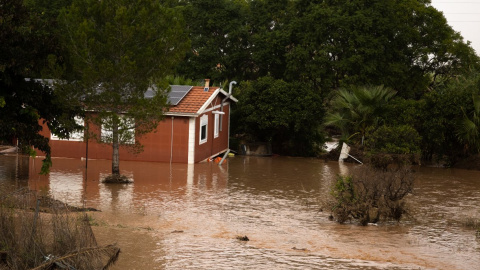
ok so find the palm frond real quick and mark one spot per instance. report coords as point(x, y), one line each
point(476, 104)
point(467, 128)
point(356, 108)
point(336, 120)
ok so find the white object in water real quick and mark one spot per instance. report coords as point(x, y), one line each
point(344, 153)
point(329, 146)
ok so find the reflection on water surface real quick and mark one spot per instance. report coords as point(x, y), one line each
point(182, 216)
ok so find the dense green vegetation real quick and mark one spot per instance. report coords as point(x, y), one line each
point(366, 70)
point(282, 113)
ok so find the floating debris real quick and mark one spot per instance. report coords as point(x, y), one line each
point(300, 249)
point(243, 238)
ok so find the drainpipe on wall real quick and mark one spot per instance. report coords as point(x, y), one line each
point(171, 143)
point(230, 86)
point(86, 145)
point(230, 112)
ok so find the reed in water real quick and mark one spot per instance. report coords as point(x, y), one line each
point(40, 233)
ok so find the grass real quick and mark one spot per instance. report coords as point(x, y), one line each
point(472, 223)
point(92, 221)
point(38, 234)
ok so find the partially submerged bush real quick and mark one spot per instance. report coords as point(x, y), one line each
point(371, 194)
point(472, 223)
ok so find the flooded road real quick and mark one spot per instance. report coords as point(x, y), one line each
point(188, 216)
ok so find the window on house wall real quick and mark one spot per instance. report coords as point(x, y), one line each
point(217, 125)
point(203, 129)
point(74, 136)
point(126, 130)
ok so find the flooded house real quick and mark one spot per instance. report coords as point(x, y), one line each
point(196, 128)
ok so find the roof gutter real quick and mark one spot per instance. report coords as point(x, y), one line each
point(181, 114)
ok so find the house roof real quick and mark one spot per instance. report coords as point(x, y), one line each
point(197, 100)
point(184, 99)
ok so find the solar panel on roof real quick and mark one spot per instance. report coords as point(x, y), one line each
point(177, 93)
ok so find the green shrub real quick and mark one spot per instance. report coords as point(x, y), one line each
point(402, 139)
point(371, 194)
point(343, 193)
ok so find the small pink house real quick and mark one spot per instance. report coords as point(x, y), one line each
point(195, 128)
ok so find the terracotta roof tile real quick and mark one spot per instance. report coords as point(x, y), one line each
point(193, 101)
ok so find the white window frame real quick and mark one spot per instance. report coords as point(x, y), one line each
point(203, 123)
point(75, 136)
point(106, 135)
point(216, 129)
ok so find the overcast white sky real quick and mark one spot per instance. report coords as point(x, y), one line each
point(464, 17)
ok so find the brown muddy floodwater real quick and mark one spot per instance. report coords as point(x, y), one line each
point(187, 216)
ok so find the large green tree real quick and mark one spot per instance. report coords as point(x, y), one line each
point(219, 40)
point(119, 50)
point(400, 44)
point(236, 39)
point(468, 127)
point(405, 45)
point(269, 25)
point(27, 46)
point(449, 119)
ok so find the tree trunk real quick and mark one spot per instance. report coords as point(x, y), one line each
point(115, 146)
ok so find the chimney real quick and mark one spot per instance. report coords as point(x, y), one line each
point(207, 85)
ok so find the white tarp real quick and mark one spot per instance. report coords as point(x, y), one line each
point(344, 153)
point(329, 146)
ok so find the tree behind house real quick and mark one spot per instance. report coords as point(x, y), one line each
point(119, 49)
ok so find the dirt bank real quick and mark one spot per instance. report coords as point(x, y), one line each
point(470, 163)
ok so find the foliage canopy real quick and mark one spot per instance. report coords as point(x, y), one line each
point(120, 50)
point(285, 114)
point(27, 45)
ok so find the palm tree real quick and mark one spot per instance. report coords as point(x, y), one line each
point(354, 109)
point(468, 128)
